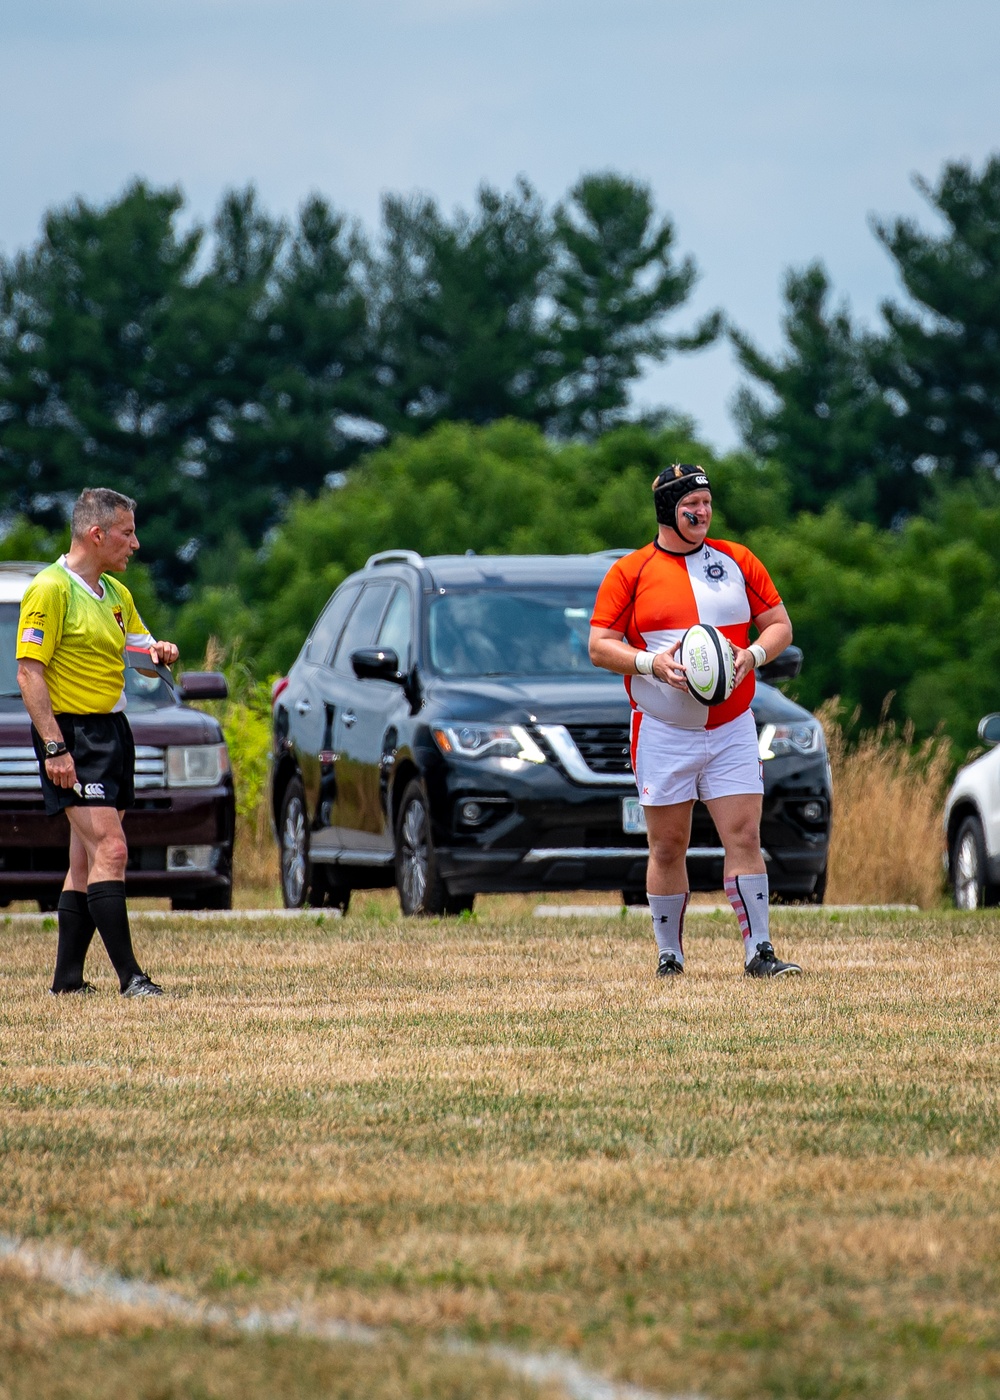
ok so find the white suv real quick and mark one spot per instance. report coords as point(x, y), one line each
point(972, 825)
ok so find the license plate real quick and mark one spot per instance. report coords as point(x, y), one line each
point(633, 817)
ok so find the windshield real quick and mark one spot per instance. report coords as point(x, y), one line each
point(143, 692)
point(486, 632)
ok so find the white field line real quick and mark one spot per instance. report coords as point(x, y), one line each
point(70, 1271)
point(541, 911)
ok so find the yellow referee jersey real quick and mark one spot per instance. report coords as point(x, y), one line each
point(79, 638)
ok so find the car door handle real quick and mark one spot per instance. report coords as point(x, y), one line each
point(349, 718)
point(303, 706)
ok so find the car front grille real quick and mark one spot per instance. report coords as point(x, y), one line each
point(150, 766)
point(604, 747)
point(19, 768)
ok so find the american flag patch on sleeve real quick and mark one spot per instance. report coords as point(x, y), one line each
point(33, 636)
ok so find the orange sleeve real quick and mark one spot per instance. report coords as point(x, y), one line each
point(616, 595)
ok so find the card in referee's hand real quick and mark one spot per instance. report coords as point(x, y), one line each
point(141, 660)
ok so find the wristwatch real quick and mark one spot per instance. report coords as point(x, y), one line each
point(54, 747)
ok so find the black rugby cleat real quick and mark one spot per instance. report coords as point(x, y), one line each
point(765, 964)
point(668, 966)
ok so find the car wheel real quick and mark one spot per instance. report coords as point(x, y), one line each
point(421, 889)
point(48, 904)
point(634, 897)
point(293, 846)
point(969, 884)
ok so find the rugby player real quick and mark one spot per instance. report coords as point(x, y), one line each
point(74, 626)
point(682, 749)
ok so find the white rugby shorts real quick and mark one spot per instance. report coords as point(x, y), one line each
point(677, 765)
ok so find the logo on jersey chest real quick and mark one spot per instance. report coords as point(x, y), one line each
point(714, 571)
point(118, 618)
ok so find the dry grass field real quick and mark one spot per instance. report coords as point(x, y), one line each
point(502, 1131)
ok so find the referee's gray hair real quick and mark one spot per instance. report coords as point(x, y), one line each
point(97, 505)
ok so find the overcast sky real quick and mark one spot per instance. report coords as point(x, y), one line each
point(770, 130)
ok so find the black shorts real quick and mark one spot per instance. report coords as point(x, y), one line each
point(104, 753)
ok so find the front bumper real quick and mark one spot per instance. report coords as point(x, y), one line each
point(545, 832)
point(34, 847)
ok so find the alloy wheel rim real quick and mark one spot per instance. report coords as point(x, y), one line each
point(967, 873)
point(293, 853)
point(414, 854)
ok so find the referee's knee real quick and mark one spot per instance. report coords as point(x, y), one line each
point(113, 850)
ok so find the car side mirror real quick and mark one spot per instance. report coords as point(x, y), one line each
point(202, 685)
point(784, 667)
point(376, 664)
point(989, 729)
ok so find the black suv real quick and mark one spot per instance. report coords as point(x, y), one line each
point(443, 730)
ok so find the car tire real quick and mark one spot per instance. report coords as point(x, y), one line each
point(421, 888)
point(293, 846)
point(819, 889)
point(634, 897)
point(969, 885)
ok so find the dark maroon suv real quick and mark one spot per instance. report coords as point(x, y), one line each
point(180, 831)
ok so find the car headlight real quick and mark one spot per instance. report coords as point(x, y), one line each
point(196, 765)
point(776, 740)
point(488, 741)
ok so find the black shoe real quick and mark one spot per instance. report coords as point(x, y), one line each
point(668, 966)
point(765, 964)
point(139, 985)
point(84, 989)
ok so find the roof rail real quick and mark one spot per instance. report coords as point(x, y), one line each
point(610, 553)
point(21, 566)
point(395, 556)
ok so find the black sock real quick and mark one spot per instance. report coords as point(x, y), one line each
point(107, 906)
point(76, 929)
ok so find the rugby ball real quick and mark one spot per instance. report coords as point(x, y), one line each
point(709, 662)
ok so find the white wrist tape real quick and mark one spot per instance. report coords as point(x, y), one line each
point(644, 663)
point(758, 653)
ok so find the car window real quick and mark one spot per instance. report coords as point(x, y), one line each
point(396, 630)
point(328, 627)
point(141, 692)
point(9, 613)
point(361, 625)
point(492, 632)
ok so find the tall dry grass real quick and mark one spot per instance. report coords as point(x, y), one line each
point(888, 796)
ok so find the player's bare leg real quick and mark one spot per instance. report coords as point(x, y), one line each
point(669, 831)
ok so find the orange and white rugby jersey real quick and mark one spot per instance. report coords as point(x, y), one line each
point(652, 597)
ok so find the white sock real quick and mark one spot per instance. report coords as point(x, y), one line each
point(668, 922)
point(748, 894)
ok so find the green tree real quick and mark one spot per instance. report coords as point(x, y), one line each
point(459, 327)
point(91, 391)
point(615, 282)
point(939, 365)
point(822, 415)
point(872, 420)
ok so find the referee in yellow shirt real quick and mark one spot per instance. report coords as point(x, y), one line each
point(74, 625)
